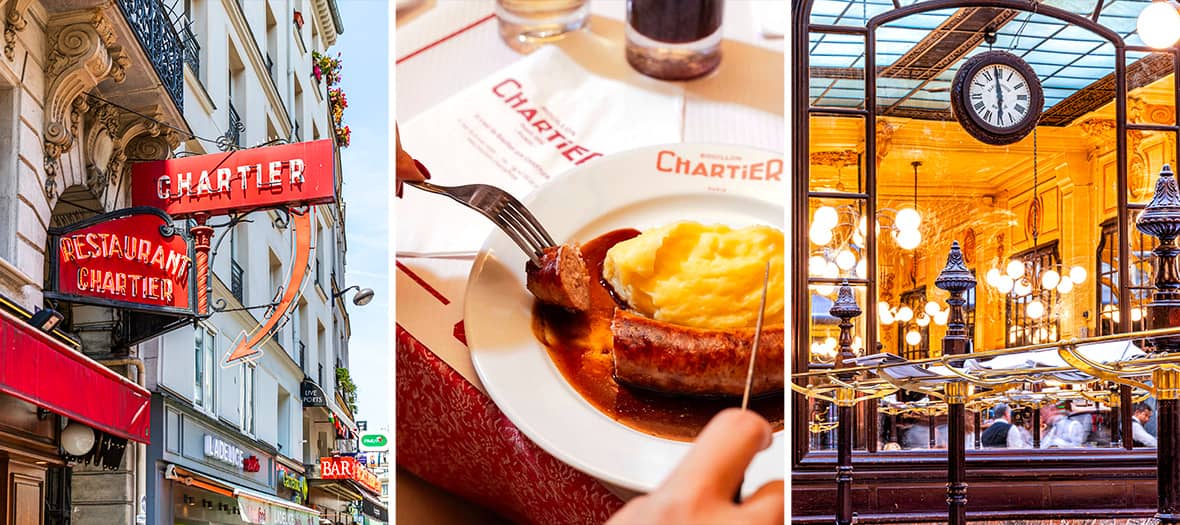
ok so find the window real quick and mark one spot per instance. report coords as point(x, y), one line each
point(915, 299)
point(204, 351)
point(283, 439)
point(247, 397)
point(1025, 329)
point(1107, 301)
point(237, 275)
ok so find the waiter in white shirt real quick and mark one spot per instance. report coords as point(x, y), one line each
point(1060, 430)
point(1142, 437)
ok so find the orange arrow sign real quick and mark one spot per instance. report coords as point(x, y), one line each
point(247, 345)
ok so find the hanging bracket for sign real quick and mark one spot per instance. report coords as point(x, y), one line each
point(135, 258)
point(289, 178)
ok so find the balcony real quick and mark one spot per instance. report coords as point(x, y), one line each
point(235, 281)
point(192, 49)
point(234, 126)
point(149, 21)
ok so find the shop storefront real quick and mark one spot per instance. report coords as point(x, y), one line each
point(57, 408)
point(977, 188)
point(207, 473)
point(346, 492)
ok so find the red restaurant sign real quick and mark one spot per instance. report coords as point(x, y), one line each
point(270, 177)
point(131, 258)
point(347, 467)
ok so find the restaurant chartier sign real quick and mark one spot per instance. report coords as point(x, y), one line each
point(347, 467)
point(134, 258)
point(289, 177)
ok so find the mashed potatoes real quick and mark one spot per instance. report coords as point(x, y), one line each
point(701, 276)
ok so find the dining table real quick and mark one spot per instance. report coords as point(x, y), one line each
point(449, 432)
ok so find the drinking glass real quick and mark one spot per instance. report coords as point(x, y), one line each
point(674, 39)
point(525, 24)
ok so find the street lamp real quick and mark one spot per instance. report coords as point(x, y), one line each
point(363, 295)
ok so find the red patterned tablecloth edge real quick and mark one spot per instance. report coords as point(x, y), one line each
point(453, 436)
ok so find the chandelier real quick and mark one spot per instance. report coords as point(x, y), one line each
point(1031, 277)
point(839, 233)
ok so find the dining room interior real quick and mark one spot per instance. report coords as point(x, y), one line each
point(1031, 136)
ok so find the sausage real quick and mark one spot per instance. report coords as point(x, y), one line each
point(561, 279)
point(673, 359)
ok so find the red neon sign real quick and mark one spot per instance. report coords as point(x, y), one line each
point(131, 259)
point(275, 176)
point(347, 467)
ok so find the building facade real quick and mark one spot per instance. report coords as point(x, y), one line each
point(85, 86)
point(249, 82)
point(109, 415)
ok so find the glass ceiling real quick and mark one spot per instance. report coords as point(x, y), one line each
point(1066, 58)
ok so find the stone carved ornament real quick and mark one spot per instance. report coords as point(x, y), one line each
point(113, 138)
point(14, 22)
point(83, 53)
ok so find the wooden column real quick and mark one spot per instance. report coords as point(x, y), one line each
point(978, 430)
point(956, 279)
point(845, 308)
point(1161, 219)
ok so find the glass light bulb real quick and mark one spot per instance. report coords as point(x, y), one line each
point(1077, 274)
point(913, 338)
point(1015, 269)
point(1042, 334)
point(862, 226)
point(1022, 287)
point(1035, 309)
point(1004, 284)
point(885, 317)
point(1136, 315)
point(1159, 25)
point(825, 289)
point(931, 308)
point(827, 216)
point(904, 314)
point(830, 342)
point(942, 317)
point(907, 219)
point(816, 265)
point(831, 271)
point(846, 260)
point(923, 320)
point(820, 234)
point(1050, 279)
point(862, 268)
point(909, 239)
point(1065, 286)
point(993, 276)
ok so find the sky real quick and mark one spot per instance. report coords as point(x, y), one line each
point(364, 52)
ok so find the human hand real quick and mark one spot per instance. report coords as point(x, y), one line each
point(700, 490)
point(407, 168)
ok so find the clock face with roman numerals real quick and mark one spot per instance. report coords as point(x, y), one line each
point(997, 97)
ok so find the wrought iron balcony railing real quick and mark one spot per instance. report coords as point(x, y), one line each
point(235, 281)
point(270, 66)
point(192, 50)
point(235, 127)
point(149, 21)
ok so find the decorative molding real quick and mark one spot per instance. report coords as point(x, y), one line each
point(837, 159)
point(1099, 93)
point(884, 137)
point(14, 22)
point(83, 53)
point(959, 34)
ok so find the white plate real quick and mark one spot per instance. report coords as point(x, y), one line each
point(635, 189)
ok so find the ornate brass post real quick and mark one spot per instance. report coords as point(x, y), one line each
point(956, 279)
point(845, 308)
point(1161, 219)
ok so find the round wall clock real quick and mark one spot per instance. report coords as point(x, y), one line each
point(997, 97)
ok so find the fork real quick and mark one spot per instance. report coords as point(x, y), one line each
point(503, 209)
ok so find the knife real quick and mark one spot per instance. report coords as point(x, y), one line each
point(737, 495)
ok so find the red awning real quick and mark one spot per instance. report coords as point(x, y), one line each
point(43, 371)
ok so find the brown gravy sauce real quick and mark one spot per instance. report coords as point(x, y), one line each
point(580, 346)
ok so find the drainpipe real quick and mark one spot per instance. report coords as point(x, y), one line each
point(141, 470)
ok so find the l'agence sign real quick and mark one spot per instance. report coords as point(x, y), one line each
point(133, 258)
point(273, 176)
